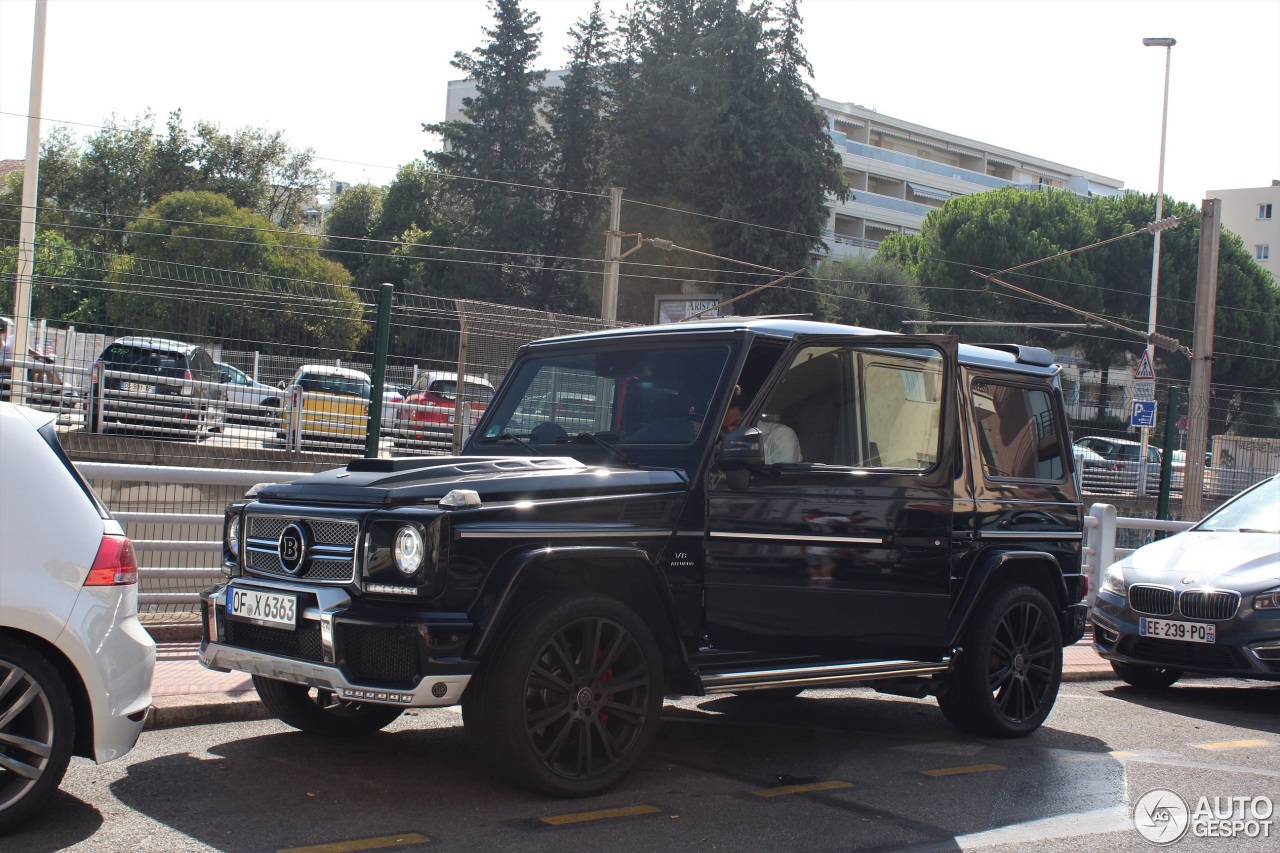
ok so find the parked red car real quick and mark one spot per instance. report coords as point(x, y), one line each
point(425, 420)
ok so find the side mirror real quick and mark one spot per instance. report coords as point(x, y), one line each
point(281, 385)
point(741, 448)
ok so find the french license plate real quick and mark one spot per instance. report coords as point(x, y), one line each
point(1189, 632)
point(137, 388)
point(264, 608)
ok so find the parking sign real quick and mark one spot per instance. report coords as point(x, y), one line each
point(1143, 414)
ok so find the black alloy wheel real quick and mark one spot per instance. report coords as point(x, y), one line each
point(1006, 678)
point(568, 699)
point(37, 732)
point(320, 712)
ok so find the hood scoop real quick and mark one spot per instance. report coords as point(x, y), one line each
point(410, 469)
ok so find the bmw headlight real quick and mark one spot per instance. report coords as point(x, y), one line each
point(408, 550)
point(1269, 600)
point(1113, 579)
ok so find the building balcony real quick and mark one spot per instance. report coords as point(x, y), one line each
point(909, 161)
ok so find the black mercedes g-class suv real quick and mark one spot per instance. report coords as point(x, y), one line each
point(711, 507)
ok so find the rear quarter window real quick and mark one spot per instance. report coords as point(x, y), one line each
point(1019, 435)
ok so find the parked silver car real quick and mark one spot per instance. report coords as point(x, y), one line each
point(1206, 600)
point(246, 395)
point(75, 662)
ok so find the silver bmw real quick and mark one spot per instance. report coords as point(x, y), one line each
point(1206, 600)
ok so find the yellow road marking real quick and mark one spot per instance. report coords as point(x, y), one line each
point(783, 790)
point(602, 814)
point(1233, 744)
point(361, 844)
point(971, 768)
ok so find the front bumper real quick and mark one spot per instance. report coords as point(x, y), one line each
point(365, 653)
point(1242, 649)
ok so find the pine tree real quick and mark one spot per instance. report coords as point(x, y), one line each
point(577, 114)
point(497, 157)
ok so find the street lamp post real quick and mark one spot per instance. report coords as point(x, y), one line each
point(1167, 44)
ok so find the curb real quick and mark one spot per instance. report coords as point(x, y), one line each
point(176, 632)
point(199, 709)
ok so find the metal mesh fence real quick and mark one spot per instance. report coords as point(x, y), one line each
point(183, 364)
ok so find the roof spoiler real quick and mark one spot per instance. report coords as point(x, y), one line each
point(1038, 356)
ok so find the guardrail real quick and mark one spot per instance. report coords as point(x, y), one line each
point(201, 533)
point(202, 538)
point(1100, 551)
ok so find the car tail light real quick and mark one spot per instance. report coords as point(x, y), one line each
point(1085, 593)
point(116, 563)
point(94, 374)
point(187, 387)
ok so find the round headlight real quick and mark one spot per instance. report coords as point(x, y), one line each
point(408, 551)
point(233, 536)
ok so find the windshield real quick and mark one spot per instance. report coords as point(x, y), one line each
point(1255, 511)
point(629, 396)
point(345, 386)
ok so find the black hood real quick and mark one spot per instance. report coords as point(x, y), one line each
point(390, 482)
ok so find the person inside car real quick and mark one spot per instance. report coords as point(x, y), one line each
point(781, 444)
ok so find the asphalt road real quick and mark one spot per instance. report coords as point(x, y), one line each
point(829, 770)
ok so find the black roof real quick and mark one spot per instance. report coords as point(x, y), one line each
point(1026, 359)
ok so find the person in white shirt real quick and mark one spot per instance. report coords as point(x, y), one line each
point(780, 441)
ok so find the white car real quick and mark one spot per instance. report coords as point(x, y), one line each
point(75, 662)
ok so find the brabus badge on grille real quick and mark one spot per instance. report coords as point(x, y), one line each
point(293, 548)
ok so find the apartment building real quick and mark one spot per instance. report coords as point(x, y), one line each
point(1254, 214)
point(899, 171)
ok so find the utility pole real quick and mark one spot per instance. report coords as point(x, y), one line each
point(27, 217)
point(1202, 361)
point(612, 258)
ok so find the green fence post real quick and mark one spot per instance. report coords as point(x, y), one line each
point(386, 293)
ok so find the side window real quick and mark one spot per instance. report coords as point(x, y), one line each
point(1018, 432)
point(857, 407)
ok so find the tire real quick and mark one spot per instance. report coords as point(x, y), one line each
point(1006, 677)
point(320, 712)
point(91, 415)
point(1145, 676)
point(36, 740)
point(567, 700)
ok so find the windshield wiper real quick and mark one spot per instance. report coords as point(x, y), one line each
point(617, 453)
point(506, 436)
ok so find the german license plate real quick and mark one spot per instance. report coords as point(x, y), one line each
point(137, 388)
point(263, 608)
point(1188, 632)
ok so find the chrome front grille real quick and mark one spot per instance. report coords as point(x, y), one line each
point(1152, 600)
point(1214, 605)
point(331, 554)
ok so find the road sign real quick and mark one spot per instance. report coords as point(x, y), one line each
point(1146, 370)
point(1143, 414)
point(1182, 424)
point(1144, 389)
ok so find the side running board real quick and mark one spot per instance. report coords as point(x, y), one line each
point(827, 675)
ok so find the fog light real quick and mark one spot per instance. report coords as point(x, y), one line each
point(408, 549)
